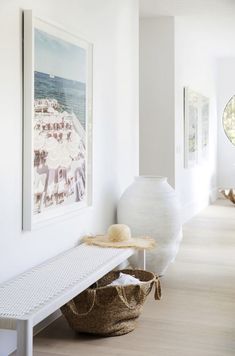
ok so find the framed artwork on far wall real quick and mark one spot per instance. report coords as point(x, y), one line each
point(196, 127)
point(57, 155)
point(205, 112)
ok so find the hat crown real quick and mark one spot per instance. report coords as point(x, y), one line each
point(119, 232)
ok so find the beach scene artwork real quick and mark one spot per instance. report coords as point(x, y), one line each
point(205, 111)
point(196, 127)
point(59, 123)
point(193, 111)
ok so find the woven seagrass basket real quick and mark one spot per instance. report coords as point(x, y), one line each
point(111, 310)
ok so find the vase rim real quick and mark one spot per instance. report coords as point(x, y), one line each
point(151, 177)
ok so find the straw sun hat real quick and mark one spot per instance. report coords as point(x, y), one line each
point(119, 236)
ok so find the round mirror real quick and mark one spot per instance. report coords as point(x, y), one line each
point(229, 120)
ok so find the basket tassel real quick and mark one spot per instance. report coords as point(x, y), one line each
point(158, 290)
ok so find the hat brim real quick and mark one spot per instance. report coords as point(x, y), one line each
point(142, 243)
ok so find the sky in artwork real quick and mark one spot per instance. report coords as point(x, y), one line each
point(58, 57)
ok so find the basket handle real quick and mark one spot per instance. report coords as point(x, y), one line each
point(158, 289)
point(122, 295)
point(93, 291)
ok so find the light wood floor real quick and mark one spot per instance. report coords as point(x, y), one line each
point(196, 316)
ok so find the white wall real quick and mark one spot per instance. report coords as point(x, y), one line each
point(198, 42)
point(113, 28)
point(157, 97)
point(194, 67)
point(226, 151)
point(173, 55)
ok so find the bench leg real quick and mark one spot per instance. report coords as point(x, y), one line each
point(24, 338)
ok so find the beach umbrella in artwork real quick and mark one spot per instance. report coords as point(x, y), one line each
point(65, 158)
point(39, 141)
point(53, 158)
point(50, 189)
point(51, 144)
point(73, 148)
point(39, 188)
point(39, 183)
point(75, 138)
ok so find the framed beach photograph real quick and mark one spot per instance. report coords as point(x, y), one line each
point(57, 157)
point(196, 127)
point(205, 115)
point(191, 113)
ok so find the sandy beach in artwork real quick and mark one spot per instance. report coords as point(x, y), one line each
point(59, 156)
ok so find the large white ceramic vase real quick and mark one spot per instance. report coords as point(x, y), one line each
point(149, 206)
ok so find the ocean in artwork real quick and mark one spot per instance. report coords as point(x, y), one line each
point(70, 94)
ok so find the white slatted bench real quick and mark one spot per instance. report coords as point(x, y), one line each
point(32, 296)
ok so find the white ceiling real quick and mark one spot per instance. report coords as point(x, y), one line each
point(151, 8)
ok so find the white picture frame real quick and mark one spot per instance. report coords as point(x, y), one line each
point(57, 133)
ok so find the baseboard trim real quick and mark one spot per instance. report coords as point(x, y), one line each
point(192, 208)
point(214, 194)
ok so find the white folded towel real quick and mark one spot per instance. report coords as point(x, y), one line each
point(124, 279)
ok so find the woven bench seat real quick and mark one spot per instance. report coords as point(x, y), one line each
point(32, 296)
